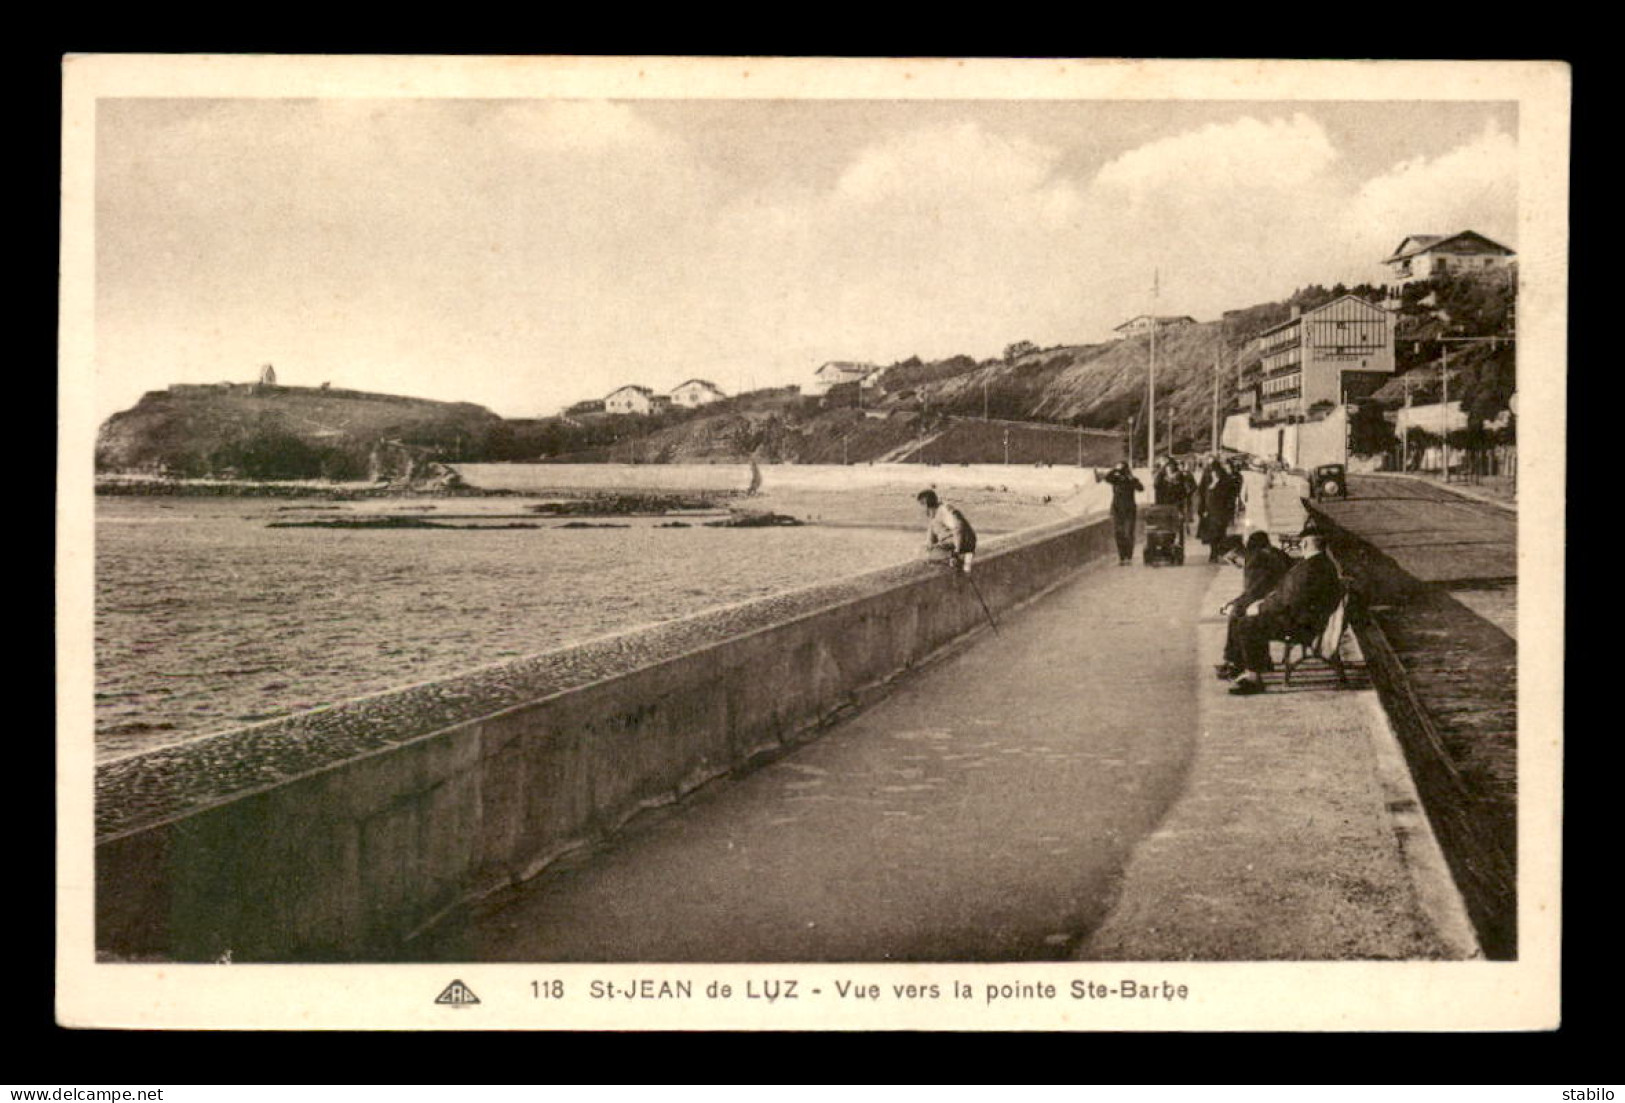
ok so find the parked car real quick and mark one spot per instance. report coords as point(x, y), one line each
point(1329, 481)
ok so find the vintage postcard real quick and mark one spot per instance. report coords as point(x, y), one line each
point(662, 543)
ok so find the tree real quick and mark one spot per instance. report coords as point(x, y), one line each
point(1020, 348)
point(1370, 434)
point(1488, 385)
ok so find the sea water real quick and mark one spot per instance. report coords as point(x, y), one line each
point(206, 618)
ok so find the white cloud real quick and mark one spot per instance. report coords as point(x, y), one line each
point(959, 162)
point(1229, 214)
point(923, 240)
point(580, 127)
point(1245, 153)
point(1474, 186)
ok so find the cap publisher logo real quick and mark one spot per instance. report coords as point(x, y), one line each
point(457, 994)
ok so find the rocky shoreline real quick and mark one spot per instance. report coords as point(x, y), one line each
point(160, 487)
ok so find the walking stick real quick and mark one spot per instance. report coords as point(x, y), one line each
point(977, 590)
point(953, 565)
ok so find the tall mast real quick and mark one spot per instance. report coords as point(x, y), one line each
point(1151, 403)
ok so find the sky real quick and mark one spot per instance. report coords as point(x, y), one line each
point(526, 254)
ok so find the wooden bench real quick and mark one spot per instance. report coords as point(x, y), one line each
point(1325, 643)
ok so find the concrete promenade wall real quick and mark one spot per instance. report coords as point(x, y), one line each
point(538, 478)
point(336, 834)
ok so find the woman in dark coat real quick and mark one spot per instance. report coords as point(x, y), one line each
point(1220, 490)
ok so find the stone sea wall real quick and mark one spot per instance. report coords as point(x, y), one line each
point(336, 834)
point(540, 478)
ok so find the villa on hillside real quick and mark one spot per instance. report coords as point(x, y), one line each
point(630, 399)
point(1423, 256)
point(1134, 327)
point(841, 371)
point(696, 392)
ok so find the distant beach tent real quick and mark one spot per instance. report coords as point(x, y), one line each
point(268, 375)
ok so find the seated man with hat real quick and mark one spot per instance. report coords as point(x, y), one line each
point(1299, 604)
point(1264, 567)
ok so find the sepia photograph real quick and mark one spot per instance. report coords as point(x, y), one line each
point(785, 543)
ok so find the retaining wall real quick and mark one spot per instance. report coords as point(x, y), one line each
point(336, 834)
point(1304, 445)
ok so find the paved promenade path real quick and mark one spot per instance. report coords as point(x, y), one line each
point(1078, 785)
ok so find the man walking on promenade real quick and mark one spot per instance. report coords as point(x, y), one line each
point(947, 533)
point(1124, 484)
point(1299, 604)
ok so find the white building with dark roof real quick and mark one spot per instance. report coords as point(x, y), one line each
point(630, 399)
point(696, 392)
point(1423, 256)
point(1134, 327)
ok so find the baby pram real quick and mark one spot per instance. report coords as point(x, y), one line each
point(1164, 535)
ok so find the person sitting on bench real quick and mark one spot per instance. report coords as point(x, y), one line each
point(1297, 606)
point(1265, 566)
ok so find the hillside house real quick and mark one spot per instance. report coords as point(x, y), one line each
point(696, 392)
point(842, 371)
point(1136, 327)
point(630, 399)
point(1324, 357)
point(579, 409)
point(1423, 256)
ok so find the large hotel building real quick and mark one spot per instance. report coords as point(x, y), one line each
point(1324, 358)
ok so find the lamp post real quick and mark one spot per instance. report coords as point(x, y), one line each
point(1213, 445)
point(1444, 413)
point(1405, 430)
